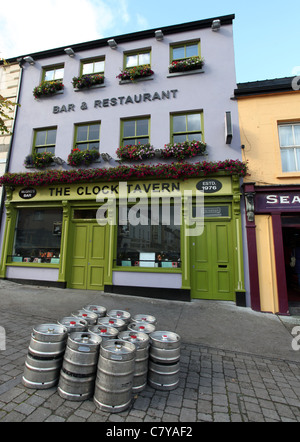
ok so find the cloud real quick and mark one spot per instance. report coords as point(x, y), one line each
point(32, 26)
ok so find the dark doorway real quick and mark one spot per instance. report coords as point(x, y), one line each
point(291, 241)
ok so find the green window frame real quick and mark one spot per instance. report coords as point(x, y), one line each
point(44, 140)
point(183, 51)
point(135, 131)
point(53, 73)
point(187, 127)
point(92, 66)
point(87, 136)
point(137, 58)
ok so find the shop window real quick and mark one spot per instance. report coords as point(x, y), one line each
point(87, 136)
point(154, 242)
point(135, 131)
point(289, 138)
point(183, 51)
point(95, 66)
point(187, 127)
point(38, 236)
point(44, 140)
point(53, 73)
point(137, 58)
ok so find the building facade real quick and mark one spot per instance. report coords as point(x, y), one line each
point(160, 136)
point(270, 136)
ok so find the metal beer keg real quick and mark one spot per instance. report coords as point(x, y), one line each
point(73, 324)
point(113, 387)
point(108, 321)
point(90, 317)
point(98, 309)
point(104, 332)
point(142, 327)
point(78, 373)
point(45, 356)
point(163, 376)
point(144, 318)
point(120, 314)
point(141, 341)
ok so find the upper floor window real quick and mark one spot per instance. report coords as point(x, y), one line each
point(289, 138)
point(44, 140)
point(187, 127)
point(53, 73)
point(135, 131)
point(95, 66)
point(138, 58)
point(87, 136)
point(185, 50)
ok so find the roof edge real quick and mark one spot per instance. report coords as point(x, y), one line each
point(275, 85)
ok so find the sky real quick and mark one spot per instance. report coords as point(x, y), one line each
point(266, 33)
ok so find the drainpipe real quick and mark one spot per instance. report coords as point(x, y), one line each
point(11, 142)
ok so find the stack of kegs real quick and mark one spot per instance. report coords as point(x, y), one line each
point(110, 356)
point(45, 356)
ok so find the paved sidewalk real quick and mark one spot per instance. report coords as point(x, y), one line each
point(236, 365)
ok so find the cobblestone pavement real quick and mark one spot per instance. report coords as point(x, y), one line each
point(215, 386)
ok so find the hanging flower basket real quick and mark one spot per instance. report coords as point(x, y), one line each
point(187, 149)
point(47, 88)
point(135, 152)
point(189, 64)
point(136, 73)
point(39, 160)
point(79, 157)
point(87, 81)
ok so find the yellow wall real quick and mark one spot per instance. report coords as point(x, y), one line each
point(266, 264)
point(259, 117)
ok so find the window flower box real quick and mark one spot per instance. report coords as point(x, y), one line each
point(87, 81)
point(135, 73)
point(79, 157)
point(39, 160)
point(187, 149)
point(48, 88)
point(135, 152)
point(188, 64)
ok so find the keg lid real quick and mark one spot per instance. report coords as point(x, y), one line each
point(144, 318)
point(164, 336)
point(137, 338)
point(72, 321)
point(143, 327)
point(86, 315)
point(111, 322)
point(104, 331)
point(85, 338)
point(49, 332)
point(98, 309)
point(119, 314)
point(118, 349)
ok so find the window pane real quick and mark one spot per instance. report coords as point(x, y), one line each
point(179, 138)
point(145, 243)
point(288, 160)
point(142, 127)
point(51, 136)
point(144, 58)
point(94, 132)
point(195, 136)
point(82, 146)
point(129, 142)
point(297, 134)
point(94, 145)
point(99, 66)
point(49, 75)
point(87, 68)
point(178, 53)
point(59, 74)
point(179, 123)
point(40, 139)
point(286, 136)
point(193, 122)
point(129, 128)
point(38, 235)
point(142, 141)
point(82, 133)
point(131, 60)
point(192, 50)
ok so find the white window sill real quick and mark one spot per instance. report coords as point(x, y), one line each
point(181, 74)
point(137, 80)
point(84, 89)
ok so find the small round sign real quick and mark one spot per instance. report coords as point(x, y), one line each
point(209, 185)
point(27, 194)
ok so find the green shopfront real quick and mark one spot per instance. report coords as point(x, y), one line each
point(164, 238)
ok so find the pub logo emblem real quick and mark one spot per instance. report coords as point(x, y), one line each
point(209, 185)
point(27, 194)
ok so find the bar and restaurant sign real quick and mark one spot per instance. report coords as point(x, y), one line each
point(285, 201)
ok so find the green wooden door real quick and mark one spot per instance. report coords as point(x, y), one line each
point(212, 262)
point(88, 257)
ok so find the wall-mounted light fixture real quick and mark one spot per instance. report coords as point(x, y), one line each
point(29, 60)
point(106, 156)
point(216, 24)
point(228, 128)
point(70, 52)
point(112, 43)
point(159, 35)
